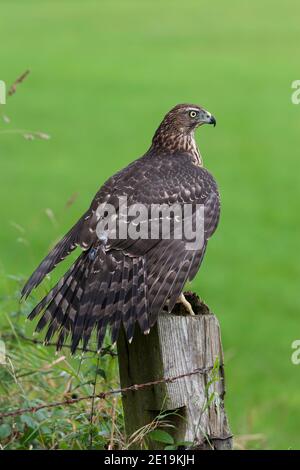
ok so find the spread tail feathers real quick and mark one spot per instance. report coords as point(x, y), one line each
point(61, 250)
point(96, 292)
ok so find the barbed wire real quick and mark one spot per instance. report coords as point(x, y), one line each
point(103, 395)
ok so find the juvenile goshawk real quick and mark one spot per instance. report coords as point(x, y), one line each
point(126, 280)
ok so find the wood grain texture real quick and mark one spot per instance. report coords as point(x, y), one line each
point(178, 344)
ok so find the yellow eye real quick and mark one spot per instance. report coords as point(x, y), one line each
point(193, 114)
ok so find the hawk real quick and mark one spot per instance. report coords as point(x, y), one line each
point(123, 281)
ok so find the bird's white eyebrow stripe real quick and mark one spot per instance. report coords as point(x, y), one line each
point(199, 110)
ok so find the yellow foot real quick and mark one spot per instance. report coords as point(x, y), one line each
point(186, 304)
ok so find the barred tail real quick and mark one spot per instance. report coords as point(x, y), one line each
point(61, 250)
point(98, 291)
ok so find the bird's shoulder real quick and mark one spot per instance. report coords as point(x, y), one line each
point(178, 178)
point(156, 178)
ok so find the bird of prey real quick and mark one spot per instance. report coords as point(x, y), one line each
point(123, 281)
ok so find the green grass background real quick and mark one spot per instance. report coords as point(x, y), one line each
point(103, 73)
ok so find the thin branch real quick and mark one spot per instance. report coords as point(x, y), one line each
point(93, 403)
point(113, 422)
point(29, 135)
point(17, 82)
point(103, 352)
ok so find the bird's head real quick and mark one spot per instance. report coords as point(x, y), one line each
point(185, 118)
point(176, 131)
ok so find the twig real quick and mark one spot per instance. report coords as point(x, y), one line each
point(93, 403)
point(17, 82)
point(28, 135)
point(103, 352)
point(113, 420)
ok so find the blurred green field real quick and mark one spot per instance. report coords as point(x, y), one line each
point(102, 76)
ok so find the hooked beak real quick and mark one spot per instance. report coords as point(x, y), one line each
point(207, 118)
point(212, 121)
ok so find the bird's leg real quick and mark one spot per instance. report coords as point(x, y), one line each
point(186, 304)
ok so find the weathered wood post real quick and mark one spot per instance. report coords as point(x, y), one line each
point(177, 345)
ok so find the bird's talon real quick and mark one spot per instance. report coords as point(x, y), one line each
point(186, 305)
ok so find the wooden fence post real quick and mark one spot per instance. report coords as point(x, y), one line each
point(177, 345)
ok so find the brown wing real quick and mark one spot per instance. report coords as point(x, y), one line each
point(126, 280)
point(168, 263)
